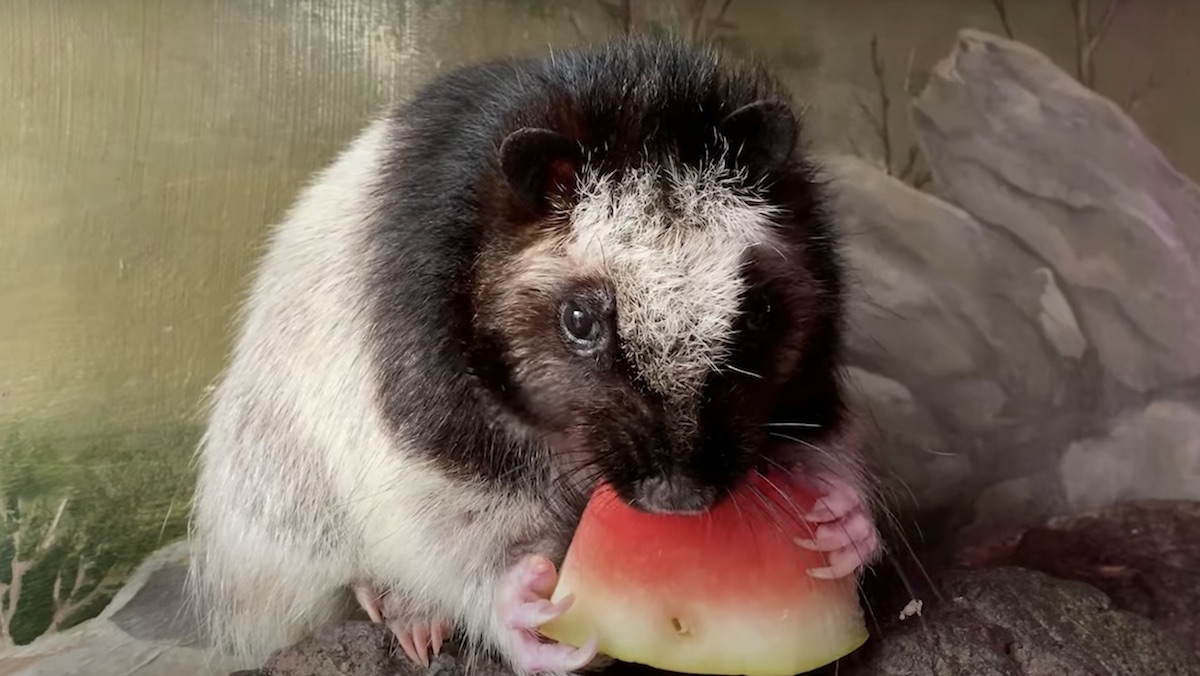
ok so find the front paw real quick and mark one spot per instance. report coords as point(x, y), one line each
point(841, 528)
point(524, 605)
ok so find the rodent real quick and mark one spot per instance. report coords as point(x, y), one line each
point(615, 263)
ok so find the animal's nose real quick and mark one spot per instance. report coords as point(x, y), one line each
point(672, 495)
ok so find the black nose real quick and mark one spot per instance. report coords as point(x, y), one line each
point(672, 495)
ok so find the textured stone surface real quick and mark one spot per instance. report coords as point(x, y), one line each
point(1151, 453)
point(1017, 142)
point(1023, 337)
point(1016, 622)
point(363, 649)
point(1144, 554)
point(1002, 621)
point(962, 350)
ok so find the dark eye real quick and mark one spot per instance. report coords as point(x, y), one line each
point(759, 318)
point(579, 324)
point(582, 324)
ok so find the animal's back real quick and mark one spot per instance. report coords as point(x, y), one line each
point(271, 543)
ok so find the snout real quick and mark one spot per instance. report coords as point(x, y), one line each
point(672, 495)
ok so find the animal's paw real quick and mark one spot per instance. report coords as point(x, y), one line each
point(524, 605)
point(842, 528)
point(417, 637)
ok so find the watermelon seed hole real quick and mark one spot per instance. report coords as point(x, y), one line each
point(679, 628)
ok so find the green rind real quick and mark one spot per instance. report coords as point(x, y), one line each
point(572, 629)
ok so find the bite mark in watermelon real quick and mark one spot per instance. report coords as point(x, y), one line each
point(724, 592)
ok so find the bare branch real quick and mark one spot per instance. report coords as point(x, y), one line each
point(908, 72)
point(696, 19)
point(633, 16)
point(910, 162)
point(883, 127)
point(579, 31)
point(921, 179)
point(719, 19)
point(1088, 37)
point(65, 610)
point(1138, 96)
point(879, 117)
point(48, 539)
point(1083, 30)
point(1002, 12)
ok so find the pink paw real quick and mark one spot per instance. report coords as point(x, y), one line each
point(843, 530)
point(417, 637)
point(524, 605)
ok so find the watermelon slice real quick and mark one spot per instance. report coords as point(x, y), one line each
point(724, 592)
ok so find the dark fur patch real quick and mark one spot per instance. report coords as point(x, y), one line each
point(448, 219)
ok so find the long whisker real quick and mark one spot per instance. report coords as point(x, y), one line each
point(802, 442)
point(744, 372)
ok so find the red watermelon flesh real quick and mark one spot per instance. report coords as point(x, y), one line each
point(724, 592)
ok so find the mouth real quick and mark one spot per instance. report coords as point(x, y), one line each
point(672, 495)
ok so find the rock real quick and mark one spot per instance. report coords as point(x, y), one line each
point(1000, 621)
point(962, 348)
point(1017, 622)
point(915, 446)
point(1017, 142)
point(142, 632)
point(1014, 500)
point(361, 648)
point(1145, 555)
point(1153, 453)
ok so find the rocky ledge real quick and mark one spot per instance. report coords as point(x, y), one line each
point(1108, 593)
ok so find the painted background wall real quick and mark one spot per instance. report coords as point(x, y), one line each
point(146, 145)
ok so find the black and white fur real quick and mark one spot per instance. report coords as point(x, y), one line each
point(403, 408)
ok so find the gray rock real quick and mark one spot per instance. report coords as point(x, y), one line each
point(144, 631)
point(913, 446)
point(361, 648)
point(1144, 554)
point(963, 349)
point(1002, 621)
point(1018, 622)
point(1015, 500)
point(1018, 143)
point(1151, 453)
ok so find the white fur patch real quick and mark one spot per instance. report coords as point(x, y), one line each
point(674, 246)
point(301, 490)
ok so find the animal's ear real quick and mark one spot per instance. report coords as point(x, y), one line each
point(762, 134)
point(539, 163)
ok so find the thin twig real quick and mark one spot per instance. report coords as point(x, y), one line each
point(1002, 12)
point(882, 127)
point(880, 121)
point(1088, 37)
point(579, 31)
point(1139, 94)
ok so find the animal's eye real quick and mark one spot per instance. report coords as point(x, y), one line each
point(759, 318)
point(585, 319)
point(578, 322)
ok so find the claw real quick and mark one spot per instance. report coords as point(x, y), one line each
point(416, 637)
point(369, 600)
point(436, 637)
point(845, 532)
point(406, 643)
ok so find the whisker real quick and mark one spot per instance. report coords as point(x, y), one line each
point(802, 442)
point(742, 371)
